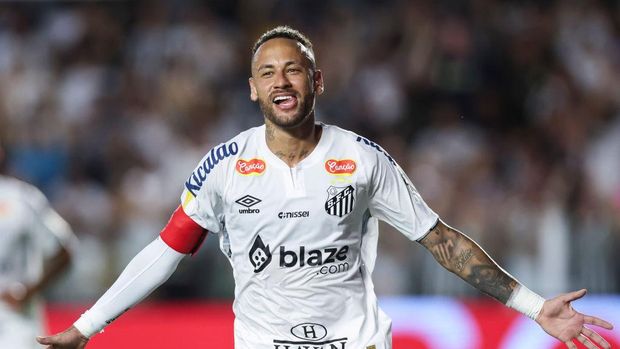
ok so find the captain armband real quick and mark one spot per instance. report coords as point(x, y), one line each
point(183, 234)
point(526, 302)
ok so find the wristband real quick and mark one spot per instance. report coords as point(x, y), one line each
point(526, 302)
point(90, 323)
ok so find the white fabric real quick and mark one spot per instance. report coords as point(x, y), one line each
point(526, 301)
point(147, 270)
point(302, 241)
point(30, 232)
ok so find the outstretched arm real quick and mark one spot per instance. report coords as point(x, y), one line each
point(462, 256)
point(147, 270)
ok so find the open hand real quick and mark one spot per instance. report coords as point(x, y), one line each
point(71, 338)
point(560, 320)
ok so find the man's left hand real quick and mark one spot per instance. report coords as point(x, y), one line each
point(560, 320)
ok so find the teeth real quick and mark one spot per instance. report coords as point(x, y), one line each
point(281, 98)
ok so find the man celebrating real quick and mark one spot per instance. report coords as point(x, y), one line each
point(296, 206)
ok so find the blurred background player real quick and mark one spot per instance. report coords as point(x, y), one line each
point(34, 250)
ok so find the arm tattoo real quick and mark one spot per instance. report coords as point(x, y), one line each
point(462, 259)
point(462, 256)
point(491, 280)
point(443, 251)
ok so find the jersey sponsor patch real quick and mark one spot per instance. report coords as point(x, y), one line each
point(345, 167)
point(311, 335)
point(217, 154)
point(340, 200)
point(252, 167)
point(309, 331)
point(294, 214)
point(260, 256)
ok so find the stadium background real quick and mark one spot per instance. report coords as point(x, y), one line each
point(506, 114)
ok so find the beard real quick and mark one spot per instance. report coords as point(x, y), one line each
point(305, 106)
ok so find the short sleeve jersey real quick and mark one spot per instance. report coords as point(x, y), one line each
point(30, 232)
point(302, 241)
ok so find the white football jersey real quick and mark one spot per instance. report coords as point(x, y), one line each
point(30, 232)
point(302, 241)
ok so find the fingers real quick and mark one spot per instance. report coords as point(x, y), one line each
point(570, 345)
point(596, 338)
point(44, 340)
point(592, 320)
point(586, 341)
point(573, 296)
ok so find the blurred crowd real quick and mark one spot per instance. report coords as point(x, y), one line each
point(506, 115)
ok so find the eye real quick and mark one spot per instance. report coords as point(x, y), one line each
point(293, 70)
point(266, 74)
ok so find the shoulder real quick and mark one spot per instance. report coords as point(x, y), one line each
point(343, 137)
point(363, 145)
point(219, 158)
point(17, 186)
point(22, 191)
point(225, 151)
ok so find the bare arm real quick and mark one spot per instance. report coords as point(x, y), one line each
point(462, 256)
point(53, 267)
point(147, 270)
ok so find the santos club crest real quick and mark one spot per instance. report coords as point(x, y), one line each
point(339, 200)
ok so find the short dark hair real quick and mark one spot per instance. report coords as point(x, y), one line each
point(285, 32)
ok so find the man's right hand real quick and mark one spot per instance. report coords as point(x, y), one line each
point(71, 338)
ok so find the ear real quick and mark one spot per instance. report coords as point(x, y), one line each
point(319, 85)
point(253, 93)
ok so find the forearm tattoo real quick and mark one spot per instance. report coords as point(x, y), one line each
point(462, 259)
point(462, 256)
point(443, 251)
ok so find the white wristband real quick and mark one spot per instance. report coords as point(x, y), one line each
point(90, 323)
point(526, 302)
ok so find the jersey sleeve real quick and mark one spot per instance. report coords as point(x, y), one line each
point(202, 195)
point(395, 200)
point(50, 230)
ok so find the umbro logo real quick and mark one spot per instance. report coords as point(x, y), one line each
point(248, 201)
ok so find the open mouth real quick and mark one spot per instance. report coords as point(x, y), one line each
point(285, 102)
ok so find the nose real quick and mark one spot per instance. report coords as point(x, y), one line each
point(281, 80)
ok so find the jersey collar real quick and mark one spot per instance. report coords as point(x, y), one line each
point(316, 155)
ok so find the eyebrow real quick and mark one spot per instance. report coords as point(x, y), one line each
point(271, 66)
